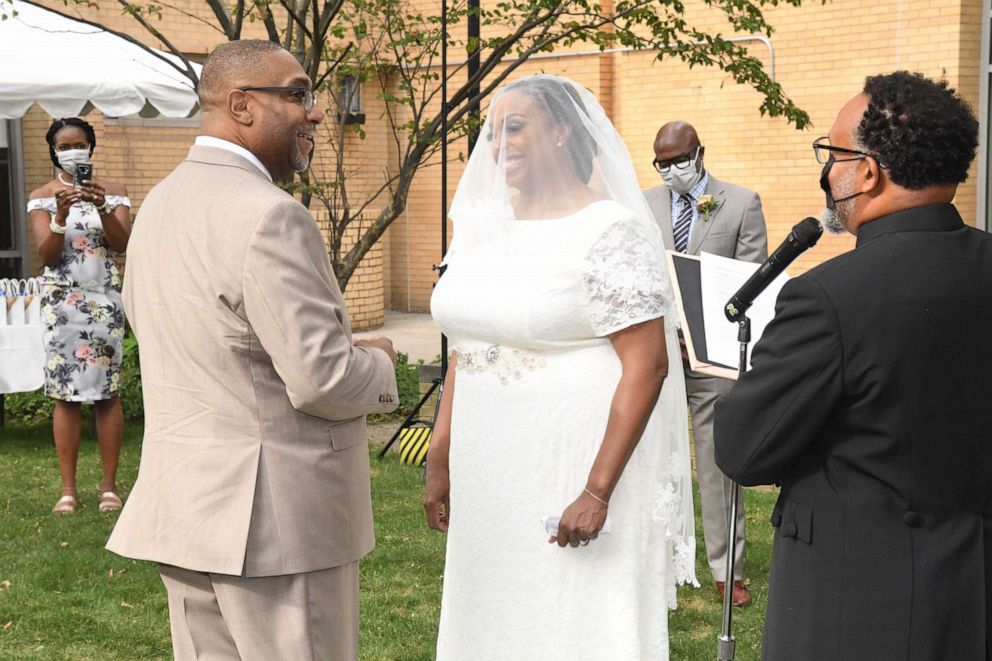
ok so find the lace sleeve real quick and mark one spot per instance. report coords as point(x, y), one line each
point(44, 203)
point(625, 280)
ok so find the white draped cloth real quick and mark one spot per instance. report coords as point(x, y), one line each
point(68, 66)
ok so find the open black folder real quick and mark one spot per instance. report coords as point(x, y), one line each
point(684, 271)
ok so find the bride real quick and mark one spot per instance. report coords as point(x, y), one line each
point(559, 464)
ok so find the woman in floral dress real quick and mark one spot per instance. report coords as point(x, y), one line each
point(79, 229)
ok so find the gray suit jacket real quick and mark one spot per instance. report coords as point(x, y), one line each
point(254, 460)
point(735, 229)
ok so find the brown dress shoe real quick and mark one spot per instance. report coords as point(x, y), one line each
point(741, 597)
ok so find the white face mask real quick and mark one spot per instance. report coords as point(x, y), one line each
point(683, 180)
point(69, 158)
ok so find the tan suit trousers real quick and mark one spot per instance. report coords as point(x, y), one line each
point(305, 617)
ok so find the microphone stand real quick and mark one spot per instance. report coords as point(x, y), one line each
point(726, 643)
point(802, 237)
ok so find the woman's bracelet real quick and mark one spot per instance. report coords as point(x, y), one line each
point(55, 227)
point(597, 498)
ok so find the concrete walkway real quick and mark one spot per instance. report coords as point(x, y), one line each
point(414, 334)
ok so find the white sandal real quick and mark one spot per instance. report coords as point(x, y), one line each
point(65, 505)
point(110, 502)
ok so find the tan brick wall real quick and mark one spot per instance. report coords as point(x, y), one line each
point(188, 24)
point(363, 296)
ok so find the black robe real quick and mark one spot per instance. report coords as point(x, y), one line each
point(870, 402)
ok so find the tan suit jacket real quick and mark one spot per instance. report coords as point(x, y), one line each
point(254, 460)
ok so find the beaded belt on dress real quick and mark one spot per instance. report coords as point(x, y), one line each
point(503, 362)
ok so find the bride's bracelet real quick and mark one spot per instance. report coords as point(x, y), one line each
point(597, 498)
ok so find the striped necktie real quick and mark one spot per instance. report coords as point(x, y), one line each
point(683, 223)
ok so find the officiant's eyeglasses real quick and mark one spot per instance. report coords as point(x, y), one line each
point(307, 99)
point(681, 162)
point(822, 149)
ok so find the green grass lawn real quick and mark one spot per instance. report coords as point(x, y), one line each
point(63, 597)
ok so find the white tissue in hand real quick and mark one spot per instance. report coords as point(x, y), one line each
point(550, 524)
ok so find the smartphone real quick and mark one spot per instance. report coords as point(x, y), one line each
point(84, 173)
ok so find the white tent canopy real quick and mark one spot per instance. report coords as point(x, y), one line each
point(67, 67)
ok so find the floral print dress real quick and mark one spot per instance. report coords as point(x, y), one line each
point(82, 309)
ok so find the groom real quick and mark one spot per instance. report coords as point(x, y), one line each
point(730, 224)
point(253, 492)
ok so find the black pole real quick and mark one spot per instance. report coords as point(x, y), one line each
point(726, 643)
point(444, 163)
point(473, 71)
point(474, 113)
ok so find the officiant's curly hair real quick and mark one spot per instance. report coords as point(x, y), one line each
point(564, 104)
point(921, 131)
point(60, 124)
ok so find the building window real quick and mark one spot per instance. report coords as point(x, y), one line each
point(349, 100)
point(13, 224)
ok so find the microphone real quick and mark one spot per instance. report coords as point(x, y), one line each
point(802, 237)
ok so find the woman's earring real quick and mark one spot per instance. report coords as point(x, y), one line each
point(559, 143)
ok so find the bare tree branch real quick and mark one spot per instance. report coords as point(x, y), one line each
point(332, 67)
point(223, 17)
point(297, 19)
point(239, 19)
point(268, 20)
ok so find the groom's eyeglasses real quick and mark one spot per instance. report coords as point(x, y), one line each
point(307, 99)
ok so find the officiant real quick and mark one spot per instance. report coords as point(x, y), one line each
point(868, 399)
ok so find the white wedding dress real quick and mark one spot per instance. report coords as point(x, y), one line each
point(528, 318)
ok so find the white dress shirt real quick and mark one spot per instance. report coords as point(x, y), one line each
point(210, 141)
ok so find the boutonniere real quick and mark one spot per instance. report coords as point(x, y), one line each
point(706, 205)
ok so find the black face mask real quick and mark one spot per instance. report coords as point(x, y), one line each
point(825, 185)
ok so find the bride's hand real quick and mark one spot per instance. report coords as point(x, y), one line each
point(580, 522)
point(436, 504)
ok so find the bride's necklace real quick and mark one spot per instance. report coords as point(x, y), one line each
point(63, 181)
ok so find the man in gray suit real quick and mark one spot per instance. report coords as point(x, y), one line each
point(253, 493)
point(699, 213)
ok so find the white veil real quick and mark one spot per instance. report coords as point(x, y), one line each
point(481, 209)
point(580, 152)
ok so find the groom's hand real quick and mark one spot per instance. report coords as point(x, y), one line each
point(581, 522)
point(382, 343)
